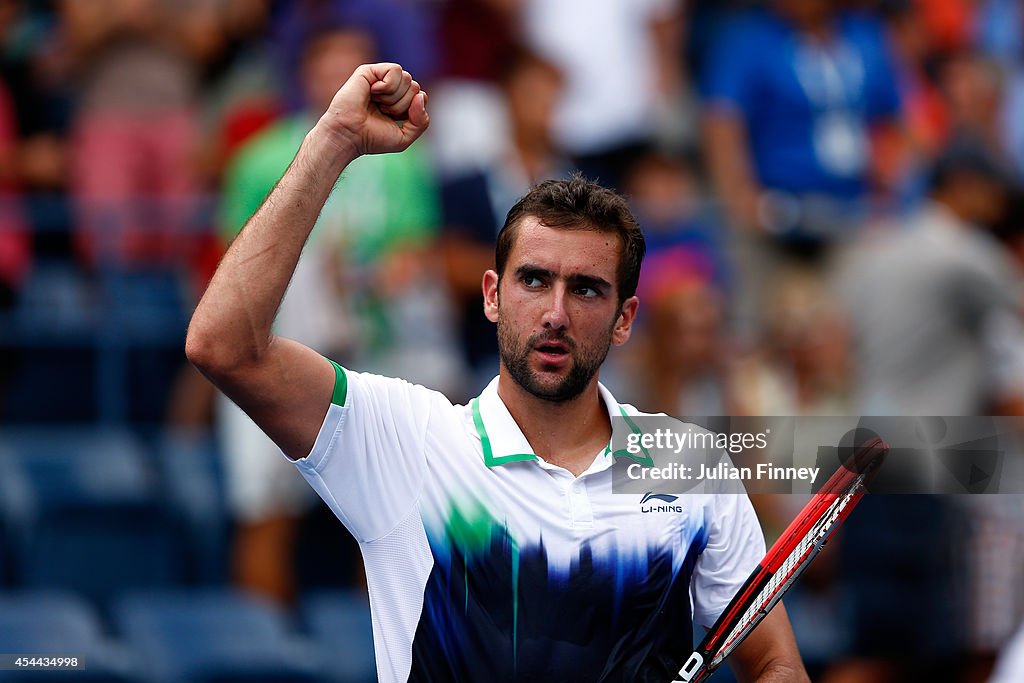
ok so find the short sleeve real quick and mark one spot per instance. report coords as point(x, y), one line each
point(735, 544)
point(368, 462)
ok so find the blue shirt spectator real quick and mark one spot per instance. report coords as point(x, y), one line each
point(806, 102)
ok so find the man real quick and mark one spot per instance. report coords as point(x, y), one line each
point(936, 324)
point(494, 546)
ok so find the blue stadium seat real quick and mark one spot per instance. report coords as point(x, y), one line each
point(212, 636)
point(193, 486)
point(339, 623)
point(95, 523)
point(59, 624)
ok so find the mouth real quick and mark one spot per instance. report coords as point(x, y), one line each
point(552, 352)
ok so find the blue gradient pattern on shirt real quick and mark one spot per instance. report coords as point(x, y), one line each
point(498, 610)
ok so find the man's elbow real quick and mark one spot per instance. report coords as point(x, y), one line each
point(211, 351)
point(200, 348)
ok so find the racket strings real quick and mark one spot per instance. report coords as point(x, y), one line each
point(790, 568)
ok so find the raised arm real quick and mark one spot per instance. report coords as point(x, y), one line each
point(282, 385)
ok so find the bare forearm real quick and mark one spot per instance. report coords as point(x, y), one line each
point(233, 320)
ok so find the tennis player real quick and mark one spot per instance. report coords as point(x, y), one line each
point(494, 547)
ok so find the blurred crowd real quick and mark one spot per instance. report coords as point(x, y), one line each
point(830, 191)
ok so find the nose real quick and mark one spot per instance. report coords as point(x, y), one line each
point(556, 316)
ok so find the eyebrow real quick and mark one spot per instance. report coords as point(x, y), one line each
point(576, 279)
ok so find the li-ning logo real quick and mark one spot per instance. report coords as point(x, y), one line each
point(663, 497)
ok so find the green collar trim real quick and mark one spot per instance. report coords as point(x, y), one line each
point(646, 460)
point(492, 461)
point(485, 441)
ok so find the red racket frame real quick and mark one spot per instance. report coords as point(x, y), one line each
point(857, 472)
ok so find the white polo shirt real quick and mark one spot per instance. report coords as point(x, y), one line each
point(485, 562)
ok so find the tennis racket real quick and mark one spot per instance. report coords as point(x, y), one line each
point(787, 559)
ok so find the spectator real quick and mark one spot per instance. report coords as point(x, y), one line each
point(36, 70)
point(681, 346)
point(622, 63)
point(685, 357)
point(972, 86)
point(402, 32)
point(241, 83)
point(936, 321)
point(133, 169)
point(470, 127)
point(791, 95)
point(903, 156)
point(803, 364)
point(682, 234)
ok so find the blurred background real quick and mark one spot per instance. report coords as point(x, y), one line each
point(831, 194)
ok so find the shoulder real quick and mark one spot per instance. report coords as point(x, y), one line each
point(358, 383)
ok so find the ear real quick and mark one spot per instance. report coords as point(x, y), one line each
point(490, 287)
point(624, 323)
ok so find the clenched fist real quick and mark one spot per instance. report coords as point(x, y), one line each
point(379, 109)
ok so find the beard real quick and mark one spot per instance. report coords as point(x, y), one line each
point(585, 362)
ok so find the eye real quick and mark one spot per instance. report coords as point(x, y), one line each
point(532, 281)
point(587, 292)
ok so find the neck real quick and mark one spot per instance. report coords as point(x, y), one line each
point(567, 433)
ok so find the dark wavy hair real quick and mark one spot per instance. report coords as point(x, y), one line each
point(576, 203)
